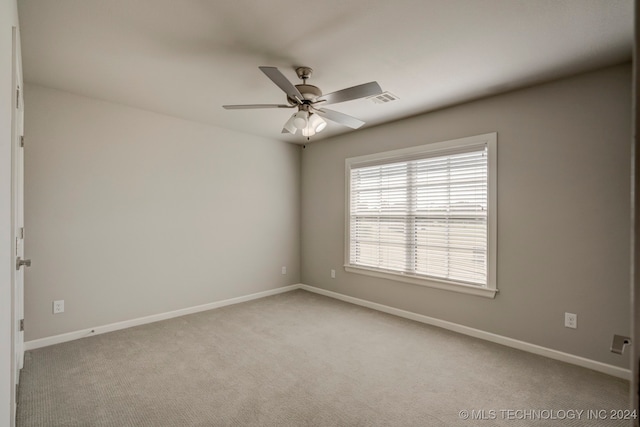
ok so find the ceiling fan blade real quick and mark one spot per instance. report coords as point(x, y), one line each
point(282, 82)
point(340, 118)
point(244, 107)
point(355, 92)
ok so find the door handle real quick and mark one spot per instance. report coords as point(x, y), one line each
point(20, 262)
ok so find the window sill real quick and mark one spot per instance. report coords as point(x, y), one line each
point(430, 283)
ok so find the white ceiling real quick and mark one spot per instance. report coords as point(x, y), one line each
point(186, 58)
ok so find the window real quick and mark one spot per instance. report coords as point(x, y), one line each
point(426, 215)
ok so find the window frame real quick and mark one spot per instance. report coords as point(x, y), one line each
point(430, 150)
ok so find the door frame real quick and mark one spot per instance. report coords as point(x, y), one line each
point(17, 218)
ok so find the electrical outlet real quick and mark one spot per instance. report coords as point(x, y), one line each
point(333, 274)
point(284, 270)
point(570, 320)
point(58, 306)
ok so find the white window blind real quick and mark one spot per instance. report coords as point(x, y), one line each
point(424, 215)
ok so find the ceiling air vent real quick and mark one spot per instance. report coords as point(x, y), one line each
point(383, 98)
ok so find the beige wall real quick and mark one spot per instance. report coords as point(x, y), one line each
point(125, 217)
point(563, 213)
point(131, 213)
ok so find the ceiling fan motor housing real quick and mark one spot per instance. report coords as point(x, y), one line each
point(309, 93)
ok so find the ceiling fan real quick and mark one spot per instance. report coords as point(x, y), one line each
point(310, 102)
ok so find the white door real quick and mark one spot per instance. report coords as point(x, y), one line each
point(19, 234)
point(18, 211)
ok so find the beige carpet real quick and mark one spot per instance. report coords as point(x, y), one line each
point(300, 359)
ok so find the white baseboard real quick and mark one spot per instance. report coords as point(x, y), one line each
point(70, 336)
point(477, 333)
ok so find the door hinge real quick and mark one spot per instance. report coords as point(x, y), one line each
point(18, 97)
point(21, 325)
point(22, 232)
point(21, 141)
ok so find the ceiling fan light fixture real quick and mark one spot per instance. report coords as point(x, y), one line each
point(308, 131)
point(317, 123)
point(300, 119)
point(289, 125)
